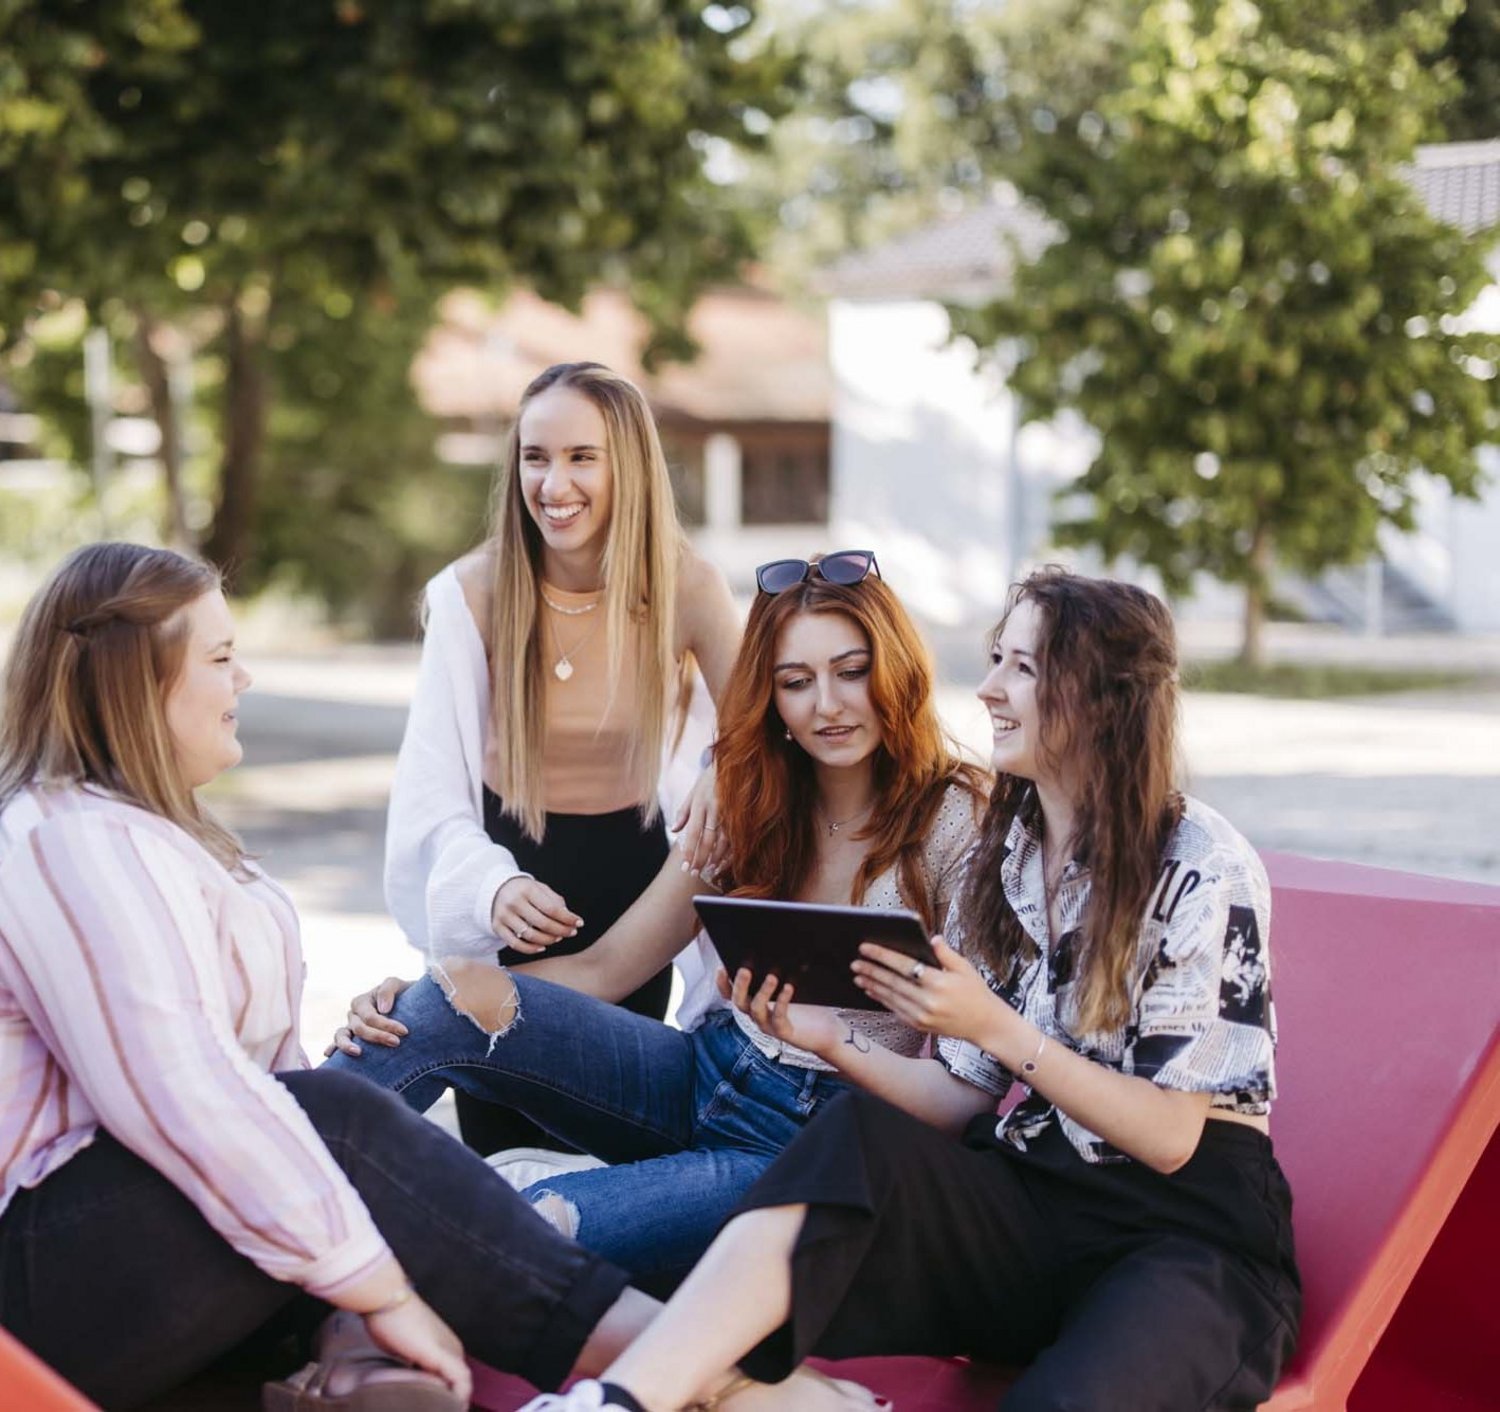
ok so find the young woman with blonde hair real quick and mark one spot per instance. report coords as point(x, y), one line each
point(524, 815)
point(171, 1175)
point(836, 785)
point(1125, 1228)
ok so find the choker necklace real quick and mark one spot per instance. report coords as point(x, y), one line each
point(572, 612)
point(834, 825)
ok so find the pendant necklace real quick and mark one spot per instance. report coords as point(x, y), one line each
point(834, 825)
point(562, 669)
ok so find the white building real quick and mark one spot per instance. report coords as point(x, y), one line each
point(929, 466)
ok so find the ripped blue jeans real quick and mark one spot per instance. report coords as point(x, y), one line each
point(689, 1120)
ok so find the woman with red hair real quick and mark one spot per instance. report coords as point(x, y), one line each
point(836, 785)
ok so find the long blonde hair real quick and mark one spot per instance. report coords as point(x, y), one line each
point(643, 549)
point(99, 646)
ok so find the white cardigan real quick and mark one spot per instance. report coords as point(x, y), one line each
point(441, 869)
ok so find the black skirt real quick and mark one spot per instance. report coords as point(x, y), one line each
point(1123, 1287)
point(599, 864)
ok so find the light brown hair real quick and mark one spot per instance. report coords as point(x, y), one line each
point(766, 785)
point(643, 550)
point(1107, 697)
point(97, 650)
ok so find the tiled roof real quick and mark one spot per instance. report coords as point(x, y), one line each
point(947, 258)
point(762, 358)
point(1460, 181)
point(966, 253)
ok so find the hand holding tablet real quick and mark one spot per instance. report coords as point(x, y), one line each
point(809, 945)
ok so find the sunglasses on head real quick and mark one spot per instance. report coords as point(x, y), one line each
point(845, 566)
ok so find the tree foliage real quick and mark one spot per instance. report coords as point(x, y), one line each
point(1471, 50)
point(1246, 298)
point(268, 173)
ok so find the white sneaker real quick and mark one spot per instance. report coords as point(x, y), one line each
point(586, 1396)
point(519, 1167)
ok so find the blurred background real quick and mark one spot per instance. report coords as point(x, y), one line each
point(1199, 292)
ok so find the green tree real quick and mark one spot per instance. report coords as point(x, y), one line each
point(1245, 298)
point(893, 111)
point(1470, 49)
point(242, 170)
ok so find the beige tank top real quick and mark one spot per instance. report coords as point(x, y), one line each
point(590, 729)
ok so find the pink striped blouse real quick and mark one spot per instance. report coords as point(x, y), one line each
point(146, 991)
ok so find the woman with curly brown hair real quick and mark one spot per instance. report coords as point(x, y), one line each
point(1124, 1228)
point(836, 784)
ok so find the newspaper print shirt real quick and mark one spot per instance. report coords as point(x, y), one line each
point(1201, 1018)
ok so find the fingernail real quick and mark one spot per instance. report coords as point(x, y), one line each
point(685, 868)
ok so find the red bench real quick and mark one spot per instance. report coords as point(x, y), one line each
point(1387, 988)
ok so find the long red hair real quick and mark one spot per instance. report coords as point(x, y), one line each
point(766, 785)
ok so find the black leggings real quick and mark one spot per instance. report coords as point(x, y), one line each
point(111, 1274)
point(1122, 1288)
point(599, 864)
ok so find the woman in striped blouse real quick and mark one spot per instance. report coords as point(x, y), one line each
point(171, 1175)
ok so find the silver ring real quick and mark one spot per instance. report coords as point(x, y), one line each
point(916, 973)
point(710, 828)
point(522, 933)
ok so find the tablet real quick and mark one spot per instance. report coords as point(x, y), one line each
point(808, 944)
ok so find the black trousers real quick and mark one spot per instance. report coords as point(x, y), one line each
point(600, 864)
point(110, 1274)
point(1125, 1290)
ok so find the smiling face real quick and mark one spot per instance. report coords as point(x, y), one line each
point(201, 704)
point(1009, 692)
point(567, 481)
point(822, 690)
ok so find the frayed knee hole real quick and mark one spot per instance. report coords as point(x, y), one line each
point(482, 993)
point(558, 1212)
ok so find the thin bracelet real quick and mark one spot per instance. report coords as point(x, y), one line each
point(1029, 1067)
point(394, 1302)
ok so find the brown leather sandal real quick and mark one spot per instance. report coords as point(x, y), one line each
point(376, 1382)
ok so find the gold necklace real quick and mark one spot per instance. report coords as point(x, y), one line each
point(833, 826)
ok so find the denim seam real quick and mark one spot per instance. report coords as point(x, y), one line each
point(548, 1086)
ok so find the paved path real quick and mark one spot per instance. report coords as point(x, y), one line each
point(1409, 781)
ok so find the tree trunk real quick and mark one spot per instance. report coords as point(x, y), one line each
point(230, 539)
point(1257, 590)
point(154, 373)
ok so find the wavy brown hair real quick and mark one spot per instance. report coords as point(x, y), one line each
point(642, 553)
point(1106, 667)
point(98, 648)
point(766, 786)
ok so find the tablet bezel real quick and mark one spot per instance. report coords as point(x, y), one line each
point(809, 943)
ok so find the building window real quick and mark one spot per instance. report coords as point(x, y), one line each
point(785, 481)
point(685, 464)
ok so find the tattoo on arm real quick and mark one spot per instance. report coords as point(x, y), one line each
point(860, 1043)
